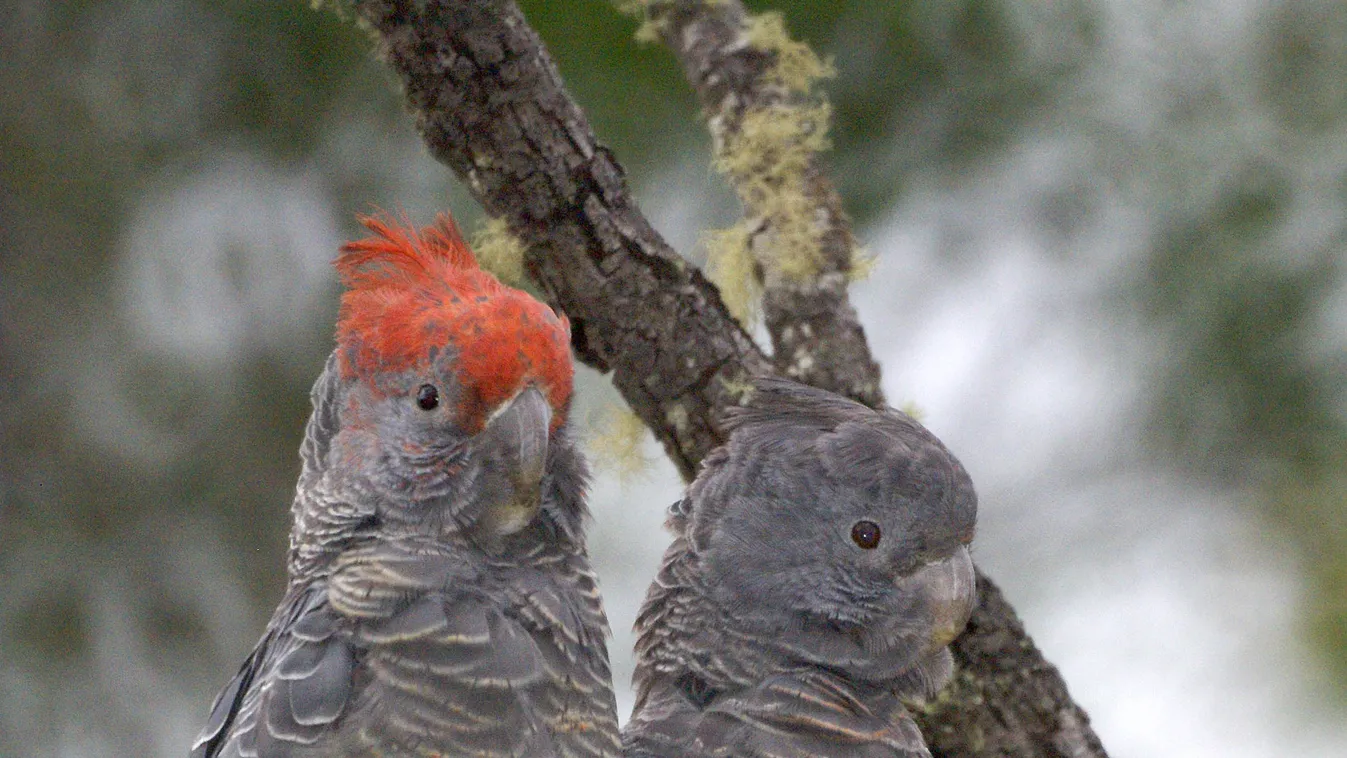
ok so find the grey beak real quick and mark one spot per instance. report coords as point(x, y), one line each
point(950, 589)
point(515, 439)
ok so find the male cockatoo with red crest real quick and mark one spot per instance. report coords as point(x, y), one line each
point(440, 600)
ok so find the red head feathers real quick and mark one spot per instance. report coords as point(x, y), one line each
point(411, 295)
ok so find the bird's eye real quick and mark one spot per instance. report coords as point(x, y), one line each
point(427, 398)
point(865, 534)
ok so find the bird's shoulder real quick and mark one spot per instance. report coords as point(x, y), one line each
point(810, 713)
point(517, 646)
point(554, 596)
point(680, 631)
point(293, 686)
point(801, 714)
point(403, 651)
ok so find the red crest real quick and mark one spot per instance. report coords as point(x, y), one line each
point(410, 294)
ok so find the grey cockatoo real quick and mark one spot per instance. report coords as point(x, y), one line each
point(440, 599)
point(819, 569)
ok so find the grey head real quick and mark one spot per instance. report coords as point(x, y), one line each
point(401, 459)
point(837, 535)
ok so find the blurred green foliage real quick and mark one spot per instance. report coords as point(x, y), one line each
point(103, 104)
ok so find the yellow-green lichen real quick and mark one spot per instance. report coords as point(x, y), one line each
point(741, 389)
point(618, 442)
point(651, 29)
point(774, 143)
point(764, 153)
point(649, 32)
point(345, 10)
point(338, 7)
point(797, 66)
point(795, 232)
point(730, 266)
point(765, 160)
point(677, 416)
point(499, 251)
point(862, 264)
point(912, 409)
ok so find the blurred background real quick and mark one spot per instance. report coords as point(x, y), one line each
point(1111, 274)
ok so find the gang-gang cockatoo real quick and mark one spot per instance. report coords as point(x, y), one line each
point(440, 600)
point(818, 572)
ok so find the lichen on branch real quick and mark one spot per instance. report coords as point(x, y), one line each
point(796, 66)
point(768, 118)
point(499, 251)
point(764, 150)
point(730, 265)
point(617, 442)
point(765, 160)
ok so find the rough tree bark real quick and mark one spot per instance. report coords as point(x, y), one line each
point(816, 335)
point(490, 104)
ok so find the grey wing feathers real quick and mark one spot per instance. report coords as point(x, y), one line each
point(226, 707)
point(801, 715)
point(464, 678)
point(579, 708)
point(294, 686)
point(310, 687)
point(467, 671)
point(663, 725)
point(397, 657)
point(805, 715)
point(451, 678)
point(454, 677)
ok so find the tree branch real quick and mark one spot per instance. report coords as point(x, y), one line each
point(490, 104)
point(1006, 699)
point(1004, 680)
point(751, 94)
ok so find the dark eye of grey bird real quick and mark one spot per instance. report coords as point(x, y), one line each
point(427, 398)
point(866, 534)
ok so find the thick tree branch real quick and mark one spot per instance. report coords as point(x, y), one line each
point(744, 86)
point(1006, 699)
point(490, 104)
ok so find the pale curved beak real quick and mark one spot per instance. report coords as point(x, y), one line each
point(515, 439)
point(950, 591)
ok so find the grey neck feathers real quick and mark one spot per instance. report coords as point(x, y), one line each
point(322, 521)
